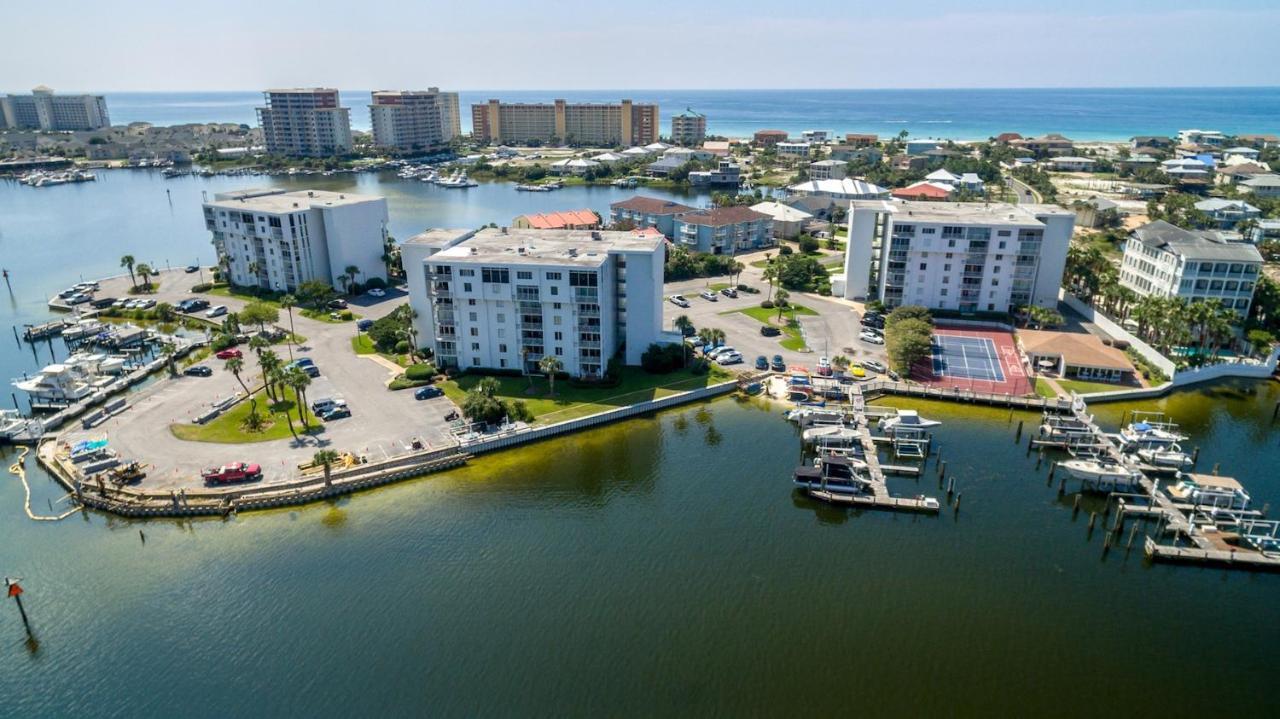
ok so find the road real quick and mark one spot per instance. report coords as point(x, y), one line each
point(1025, 193)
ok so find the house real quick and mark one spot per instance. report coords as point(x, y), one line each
point(847, 189)
point(1247, 154)
point(1076, 355)
point(1212, 138)
point(576, 166)
point(788, 222)
point(609, 158)
point(769, 138)
point(1151, 142)
point(637, 152)
point(1234, 174)
point(719, 148)
point(815, 137)
point(1093, 212)
point(919, 147)
point(1006, 138)
point(724, 230)
point(968, 181)
point(1186, 167)
point(852, 153)
point(1049, 145)
point(564, 220)
point(908, 163)
point(666, 165)
point(1259, 141)
point(1262, 186)
point(820, 206)
point(1267, 231)
point(1135, 161)
point(1226, 214)
point(1164, 260)
point(641, 212)
point(658, 147)
point(727, 173)
point(1072, 163)
point(856, 139)
point(924, 192)
point(828, 170)
point(792, 149)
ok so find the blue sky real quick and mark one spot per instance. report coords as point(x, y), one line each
point(581, 44)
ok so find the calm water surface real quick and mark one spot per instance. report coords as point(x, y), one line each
point(662, 566)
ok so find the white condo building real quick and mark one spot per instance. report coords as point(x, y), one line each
point(277, 240)
point(414, 120)
point(963, 256)
point(1165, 260)
point(43, 110)
point(503, 298)
point(305, 122)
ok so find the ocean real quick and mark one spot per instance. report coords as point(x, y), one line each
point(1081, 114)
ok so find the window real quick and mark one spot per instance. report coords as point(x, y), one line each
point(467, 273)
point(560, 350)
point(501, 333)
point(997, 270)
point(924, 265)
point(1004, 233)
point(995, 282)
point(502, 348)
point(1001, 245)
point(471, 302)
point(502, 317)
point(475, 332)
point(522, 275)
point(555, 305)
point(946, 281)
point(466, 287)
point(502, 362)
point(929, 231)
point(495, 275)
point(475, 361)
point(991, 307)
point(558, 335)
point(946, 267)
point(555, 290)
point(471, 316)
point(553, 276)
point(943, 292)
point(555, 319)
point(583, 279)
point(475, 346)
point(951, 243)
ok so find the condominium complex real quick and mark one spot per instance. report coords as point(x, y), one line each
point(723, 230)
point(43, 110)
point(414, 120)
point(1167, 261)
point(277, 240)
point(504, 298)
point(688, 128)
point(507, 123)
point(964, 256)
point(305, 122)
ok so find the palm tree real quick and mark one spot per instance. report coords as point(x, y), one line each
point(735, 271)
point(345, 279)
point(524, 365)
point(235, 366)
point(170, 353)
point(254, 268)
point(770, 272)
point(550, 364)
point(840, 362)
point(128, 261)
point(352, 271)
point(270, 363)
point(780, 299)
point(685, 326)
point(325, 458)
point(298, 380)
point(287, 303)
point(145, 271)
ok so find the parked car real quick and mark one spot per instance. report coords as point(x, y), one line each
point(198, 371)
point(303, 362)
point(193, 304)
point(217, 311)
point(192, 269)
point(338, 411)
point(364, 324)
point(893, 376)
point(376, 292)
point(777, 365)
point(229, 353)
point(78, 299)
point(726, 358)
point(324, 404)
point(770, 331)
point(338, 304)
point(234, 472)
point(146, 304)
point(708, 295)
point(717, 351)
point(694, 342)
point(824, 366)
point(729, 292)
point(121, 303)
point(103, 303)
point(875, 366)
point(678, 301)
point(428, 392)
point(762, 362)
point(871, 337)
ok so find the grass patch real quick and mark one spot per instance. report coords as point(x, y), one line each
point(196, 357)
point(717, 286)
point(227, 428)
point(571, 402)
point(327, 316)
point(790, 338)
point(1044, 390)
point(1080, 386)
point(363, 345)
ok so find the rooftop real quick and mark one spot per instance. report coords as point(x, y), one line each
point(1190, 245)
point(652, 205)
point(973, 213)
point(717, 216)
point(561, 220)
point(781, 212)
point(848, 186)
point(586, 248)
point(1077, 349)
point(279, 200)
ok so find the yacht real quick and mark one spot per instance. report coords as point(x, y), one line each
point(12, 423)
point(906, 419)
point(836, 474)
point(64, 382)
point(1102, 474)
point(1165, 456)
point(458, 180)
point(830, 434)
point(1150, 429)
point(1211, 490)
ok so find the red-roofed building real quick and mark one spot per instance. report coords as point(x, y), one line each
point(923, 191)
point(1005, 138)
point(566, 220)
point(769, 138)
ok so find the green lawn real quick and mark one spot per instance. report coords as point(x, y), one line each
point(790, 338)
point(1044, 390)
point(318, 315)
point(1083, 387)
point(572, 402)
point(226, 428)
point(363, 345)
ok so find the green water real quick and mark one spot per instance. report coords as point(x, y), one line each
point(658, 567)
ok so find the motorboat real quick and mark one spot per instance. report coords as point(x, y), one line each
point(833, 473)
point(458, 180)
point(64, 382)
point(807, 415)
point(1150, 429)
point(830, 434)
point(87, 450)
point(1056, 428)
point(906, 419)
point(1209, 490)
point(12, 423)
point(1166, 456)
point(1102, 474)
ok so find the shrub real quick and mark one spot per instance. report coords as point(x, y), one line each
point(202, 287)
point(748, 289)
point(403, 347)
point(767, 304)
point(419, 371)
point(520, 411)
point(808, 245)
point(375, 282)
point(785, 250)
point(662, 359)
point(346, 315)
point(222, 341)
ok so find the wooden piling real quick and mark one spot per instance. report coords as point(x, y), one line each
point(1062, 485)
point(957, 507)
point(1132, 533)
point(1075, 507)
point(1093, 517)
point(1018, 437)
point(1195, 455)
point(1215, 467)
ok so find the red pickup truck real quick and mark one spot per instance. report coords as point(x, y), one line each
point(234, 472)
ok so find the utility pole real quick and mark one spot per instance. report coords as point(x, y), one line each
point(15, 591)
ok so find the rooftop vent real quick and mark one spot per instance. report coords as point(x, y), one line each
point(342, 197)
point(295, 204)
point(573, 251)
point(310, 193)
point(473, 250)
point(504, 229)
point(520, 250)
point(595, 235)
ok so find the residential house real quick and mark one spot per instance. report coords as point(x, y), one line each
point(1212, 138)
point(609, 158)
point(724, 230)
point(1006, 138)
point(1076, 355)
point(815, 137)
point(925, 192)
point(1234, 174)
point(908, 163)
point(820, 206)
point(563, 220)
point(968, 181)
point(1226, 214)
point(576, 166)
point(719, 148)
point(641, 212)
point(1072, 163)
point(727, 173)
point(919, 147)
point(788, 221)
point(1245, 154)
point(1259, 141)
point(1050, 145)
point(828, 170)
point(856, 139)
point(1262, 186)
point(849, 188)
point(1095, 211)
point(768, 138)
point(852, 153)
point(792, 149)
point(1165, 260)
point(1154, 143)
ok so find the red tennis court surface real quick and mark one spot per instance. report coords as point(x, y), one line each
point(968, 362)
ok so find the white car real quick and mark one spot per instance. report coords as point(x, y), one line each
point(679, 301)
point(708, 295)
point(216, 311)
point(722, 350)
point(377, 292)
point(729, 358)
point(146, 304)
point(871, 337)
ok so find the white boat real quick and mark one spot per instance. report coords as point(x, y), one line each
point(830, 434)
point(838, 475)
point(65, 382)
point(1150, 429)
point(1209, 490)
point(458, 180)
point(805, 416)
point(1102, 475)
point(906, 419)
point(11, 423)
point(1168, 456)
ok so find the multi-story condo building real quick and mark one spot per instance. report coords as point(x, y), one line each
point(727, 172)
point(792, 149)
point(305, 122)
point(828, 170)
point(688, 128)
point(641, 212)
point(1167, 261)
point(414, 120)
point(43, 110)
point(815, 137)
point(723, 230)
point(277, 240)
point(507, 123)
point(504, 298)
point(965, 256)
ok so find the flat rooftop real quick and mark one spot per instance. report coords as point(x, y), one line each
point(972, 213)
point(588, 248)
point(278, 200)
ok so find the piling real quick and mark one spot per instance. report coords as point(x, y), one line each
point(1195, 455)
point(1053, 468)
point(1062, 485)
point(1215, 467)
point(18, 341)
point(1275, 412)
point(15, 592)
point(1075, 507)
point(1018, 437)
point(1132, 532)
point(942, 468)
point(957, 507)
point(1093, 517)
point(142, 536)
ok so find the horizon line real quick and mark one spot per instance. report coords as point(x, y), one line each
point(748, 89)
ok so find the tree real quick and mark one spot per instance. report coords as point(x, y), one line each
point(170, 352)
point(270, 364)
point(352, 272)
point(314, 293)
point(1261, 340)
point(685, 327)
point(840, 362)
point(144, 270)
point(325, 458)
point(550, 365)
point(287, 302)
point(129, 262)
point(235, 366)
point(908, 312)
point(298, 380)
point(770, 273)
point(259, 313)
point(908, 341)
point(780, 300)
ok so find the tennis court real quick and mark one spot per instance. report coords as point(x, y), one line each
point(966, 358)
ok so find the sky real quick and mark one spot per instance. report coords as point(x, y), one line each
point(140, 45)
